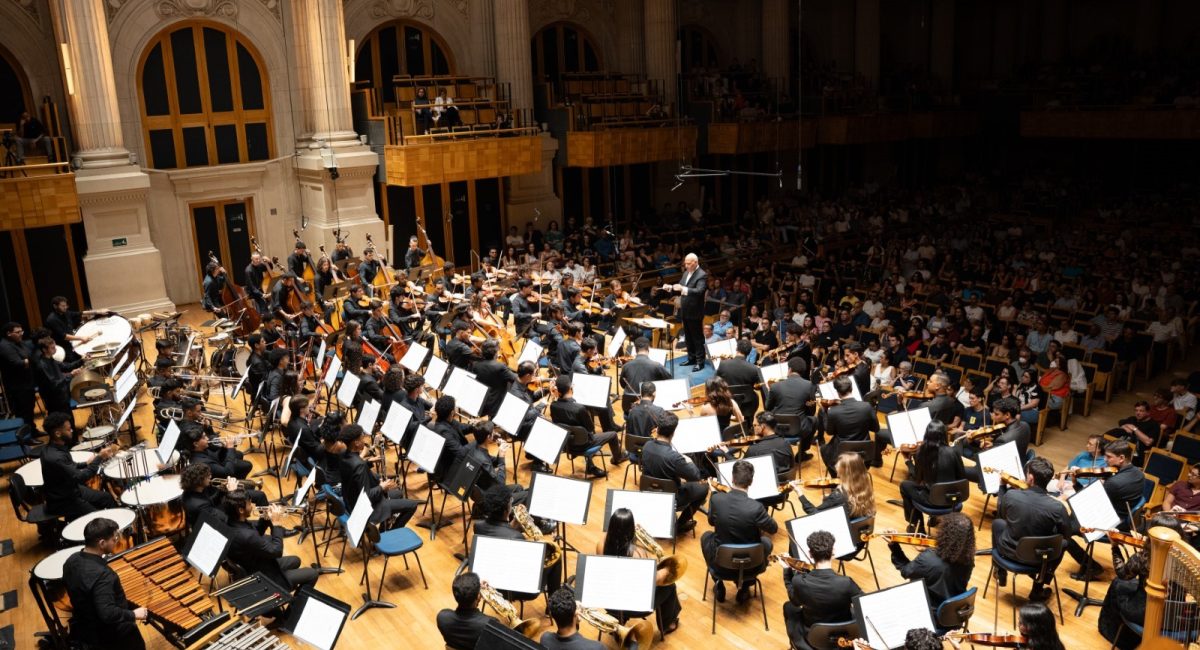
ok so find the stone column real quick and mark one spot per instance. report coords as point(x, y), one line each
point(513, 64)
point(866, 41)
point(320, 48)
point(123, 268)
point(775, 55)
point(941, 49)
point(661, 33)
point(483, 38)
point(631, 39)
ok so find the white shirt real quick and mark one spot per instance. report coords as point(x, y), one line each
point(1069, 336)
point(1185, 402)
point(872, 308)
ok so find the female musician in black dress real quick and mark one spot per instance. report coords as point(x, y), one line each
point(620, 541)
point(945, 568)
point(935, 462)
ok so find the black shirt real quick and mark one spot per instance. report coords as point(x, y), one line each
point(552, 641)
point(62, 476)
point(460, 630)
point(100, 615)
point(942, 579)
point(1125, 489)
point(1029, 513)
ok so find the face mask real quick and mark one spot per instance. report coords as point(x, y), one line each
point(1053, 364)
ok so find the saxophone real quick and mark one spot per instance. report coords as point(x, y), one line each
point(676, 565)
point(639, 635)
point(521, 514)
point(530, 628)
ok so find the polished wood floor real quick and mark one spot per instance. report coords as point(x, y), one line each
point(411, 623)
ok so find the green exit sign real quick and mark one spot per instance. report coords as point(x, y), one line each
point(120, 241)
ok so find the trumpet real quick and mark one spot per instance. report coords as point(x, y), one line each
point(242, 484)
point(263, 511)
point(530, 628)
point(231, 440)
point(640, 634)
point(210, 378)
point(521, 515)
point(676, 565)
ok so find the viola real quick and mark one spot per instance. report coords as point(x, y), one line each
point(743, 441)
point(905, 538)
point(982, 432)
point(823, 483)
point(1007, 479)
point(994, 640)
point(794, 564)
point(691, 401)
point(1119, 537)
point(718, 486)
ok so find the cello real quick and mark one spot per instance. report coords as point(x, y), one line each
point(272, 271)
point(386, 278)
point(310, 268)
point(238, 306)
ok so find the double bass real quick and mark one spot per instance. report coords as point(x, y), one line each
point(385, 279)
point(272, 270)
point(238, 306)
point(310, 267)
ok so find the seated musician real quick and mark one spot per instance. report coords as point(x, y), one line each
point(661, 460)
point(493, 517)
point(256, 364)
point(392, 386)
point(975, 416)
point(641, 368)
point(222, 460)
point(943, 407)
point(562, 608)
point(736, 519)
point(1092, 457)
point(272, 332)
point(326, 275)
point(53, 378)
point(568, 348)
point(164, 371)
point(770, 443)
point(368, 268)
point(1029, 512)
point(356, 306)
point(279, 362)
point(523, 307)
point(413, 255)
point(309, 323)
point(255, 272)
point(794, 395)
point(566, 411)
point(368, 384)
point(818, 596)
point(461, 626)
point(203, 498)
point(405, 314)
point(375, 330)
point(415, 401)
point(446, 425)
point(849, 420)
point(169, 405)
point(526, 376)
point(389, 508)
point(63, 479)
point(302, 425)
point(854, 493)
point(796, 344)
point(740, 374)
point(1126, 596)
point(934, 462)
point(1124, 490)
point(211, 292)
point(101, 617)
point(860, 368)
point(945, 568)
point(254, 550)
point(1006, 411)
point(333, 450)
point(459, 350)
point(495, 375)
point(718, 401)
point(620, 541)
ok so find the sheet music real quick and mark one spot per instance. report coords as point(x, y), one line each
point(560, 499)
point(426, 448)
point(302, 493)
point(908, 427)
point(591, 390)
point(651, 323)
point(623, 583)
point(669, 392)
point(1092, 509)
point(509, 564)
point(125, 383)
point(724, 347)
point(237, 388)
point(696, 435)
point(512, 412)
point(118, 365)
point(319, 624)
point(774, 372)
point(357, 524)
point(206, 549)
point(125, 415)
point(829, 392)
point(396, 422)
point(331, 373)
point(414, 357)
point(545, 440)
point(614, 346)
point(658, 355)
point(169, 442)
point(1002, 457)
point(531, 352)
point(892, 613)
point(764, 485)
point(320, 359)
point(348, 389)
point(832, 521)
point(466, 390)
point(435, 372)
point(368, 416)
point(654, 511)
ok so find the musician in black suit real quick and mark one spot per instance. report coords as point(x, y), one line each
point(414, 400)
point(566, 411)
point(63, 479)
point(62, 321)
point(252, 549)
point(641, 368)
point(101, 617)
point(771, 444)
point(368, 384)
point(850, 420)
point(222, 460)
point(861, 369)
point(935, 462)
point(661, 460)
point(1124, 490)
point(256, 364)
point(202, 499)
point(388, 506)
point(943, 407)
point(368, 269)
point(644, 415)
point(743, 377)
point(352, 306)
point(562, 608)
point(493, 374)
point(526, 375)
point(1030, 512)
point(818, 596)
point(255, 271)
point(1006, 411)
point(461, 626)
point(459, 351)
point(568, 348)
point(523, 310)
point(736, 519)
point(16, 371)
point(795, 396)
point(414, 254)
point(53, 378)
point(692, 288)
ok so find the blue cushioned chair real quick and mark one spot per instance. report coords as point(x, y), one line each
point(1035, 556)
point(944, 498)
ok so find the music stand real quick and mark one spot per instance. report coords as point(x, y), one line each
point(546, 441)
point(886, 616)
point(654, 511)
point(511, 565)
point(459, 481)
point(765, 484)
point(617, 583)
point(1091, 509)
point(426, 451)
point(316, 618)
point(207, 546)
point(669, 392)
point(698, 435)
point(834, 521)
point(560, 499)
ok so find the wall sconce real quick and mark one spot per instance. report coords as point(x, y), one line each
point(68, 71)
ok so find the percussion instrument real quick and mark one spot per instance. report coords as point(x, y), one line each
point(126, 465)
point(90, 445)
point(111, 334)
point(85, 380)
point(32, 472)
point(124, 517)
point(50, 572)
point(100, 432)
point(219, 339)
point(98, 363)
point(60, 354)
point(241, 359)
point(161, 499)
point(246, 636)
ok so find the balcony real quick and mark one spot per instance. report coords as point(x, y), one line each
point(37, 195)
point(463, 157)
point(866, 129)
point(1113, 122)
point(760, 136)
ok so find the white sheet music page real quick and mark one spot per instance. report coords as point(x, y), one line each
point(125, 415)
point(832, 521)
point(369, 416)
point(206, 550)
point(654, 511)
point(695, 435)
point(829, 392)
point(348, 389)
point(722, 348)
point(426, 448)
point(331, 373)
point(1003, 458)
point(652, 323)
point(669, 392)
point(414, 357)
point(764, 485)
point(908, 427)
point(512, 411)
point(126, 383)
point(320, 359)
point(658, 355)
point(623, 583)
point(545, 440)
point(302, 493)
point(511, 564)
point(468, 393)
point(614, 346)
point(319, 624)
point(396, 422)
point(591, 390)
point(774, 372)
point(893, 612)
point(560, 499)
point(169, 442)
point(435, 372)
point(1092, 509)
point(359, 518)
point(531, 352)
point(237, 388)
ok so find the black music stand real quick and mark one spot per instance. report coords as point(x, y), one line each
point(331, 613)
point(459, 481)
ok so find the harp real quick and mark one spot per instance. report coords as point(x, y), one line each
point(1172, 591)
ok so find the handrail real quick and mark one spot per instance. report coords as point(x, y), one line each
point(24, 168)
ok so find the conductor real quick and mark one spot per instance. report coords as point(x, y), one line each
point(692, 288)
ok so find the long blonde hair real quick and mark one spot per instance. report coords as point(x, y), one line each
point(856, 484)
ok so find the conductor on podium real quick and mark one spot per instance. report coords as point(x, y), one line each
point(692, 288)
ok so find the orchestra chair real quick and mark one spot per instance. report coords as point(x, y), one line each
point(18, 446)
point(577, 446)
point(1187, 445)
point(788, 426)
point(955, 612)
point(831, 636)
point(654, 484)
point(860, 528)
point(1185, 617)
point(335, 508)
point(944, 498)
point(633, 447)
point(1166, 467)
point(738, 562)
point(48, 525)
point(864, 448)
point(1035, 555)
point(397, 542)
point(1062, 414)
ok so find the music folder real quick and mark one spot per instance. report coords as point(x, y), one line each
point(658, 355)
point(654, 511)
point(546, 441)
point(774, 372)
point(461, 477)
point(316, 618)
point(1000, 458)
point(331, 373)
point(467, 392)
point(368, 416)
point(1092, 509)
point(885, 616)
point(560, 499)
point(169, 442)
point(908, 427)
point(618, 583)
point(206, 546)
point(509, 564)
point(591, 390)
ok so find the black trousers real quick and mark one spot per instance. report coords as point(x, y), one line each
point(394, 507)
point(693, 332)
point(21, 402)
point(709, 545)
point(689, 499)
point(296, 575)
point(89, 501)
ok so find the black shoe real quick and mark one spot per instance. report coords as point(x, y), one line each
point(688, 362)
point(685, 527)
point(896, 502)
point(541, 467)
point(596, 472)
point(1088, 575)
point(1001, 577)
point(719, 592)
point(1039, 593)
point(805, 456)
point(699, 367)
point(743, 594)
point(617, 460)
point(877, 463)
point(291, 532)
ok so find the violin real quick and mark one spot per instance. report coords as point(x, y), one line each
point(794, 564)
point(911, 539)
point(1189, 517)
point(981, 432)
point(824, 403)
point(1091, 472)
point(1128, 539)
point(915, 394)
point(691, 401)
point(743, 441)
point(994, 640)
point(718, 486)
point(823, 483)
point(1007, 479)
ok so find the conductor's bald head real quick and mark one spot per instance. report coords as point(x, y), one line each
point(691, 262)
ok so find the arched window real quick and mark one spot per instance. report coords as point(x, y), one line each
point(18, 98)
point(204, 98)
point(563, 47)
point(401, 47)
point(698, 48)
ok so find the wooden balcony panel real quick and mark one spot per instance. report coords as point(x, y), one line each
point(630, 146)
point(38, 201)
point(865, 129)
point(1120, 124)
point(756, 137)
point(413, 165)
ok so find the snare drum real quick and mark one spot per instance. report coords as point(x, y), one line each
point(32, 472)
point(124, 517)
point(50, 574)
point(161, 500)
point(102, 432)
point(126, 466)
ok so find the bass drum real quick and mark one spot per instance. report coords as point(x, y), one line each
point(85, 380)
point(241, 359)
point(221, 362)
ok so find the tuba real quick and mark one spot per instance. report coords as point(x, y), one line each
point(530, 628)
point(640, 634)
point(521, 514)
point(676, 565)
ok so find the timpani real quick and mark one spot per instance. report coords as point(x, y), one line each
point(161, 502)
point(124, 517)
point(49, 573)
